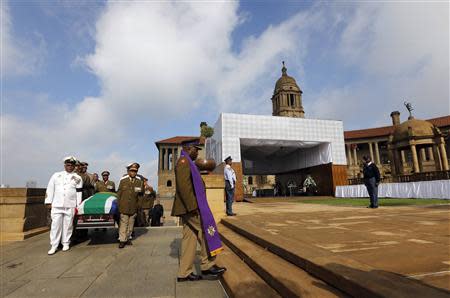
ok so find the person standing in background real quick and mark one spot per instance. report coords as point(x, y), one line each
point(230, 185)
point(371, 180)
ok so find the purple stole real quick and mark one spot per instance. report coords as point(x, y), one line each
point(211, 235)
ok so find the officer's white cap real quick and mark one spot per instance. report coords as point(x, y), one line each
point(70, 159)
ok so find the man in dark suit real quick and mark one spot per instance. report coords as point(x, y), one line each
point(371, 180)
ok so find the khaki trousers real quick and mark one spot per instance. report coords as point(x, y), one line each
point(126, 226)
point(146, 214)
point(192, 233)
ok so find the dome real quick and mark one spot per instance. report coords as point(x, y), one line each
point(286, 82)
point(413, 128)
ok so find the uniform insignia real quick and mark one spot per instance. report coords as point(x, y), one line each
point(77, 180)
point(211, 231)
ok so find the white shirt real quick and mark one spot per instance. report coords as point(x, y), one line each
point(62, 190)
point(230, 175)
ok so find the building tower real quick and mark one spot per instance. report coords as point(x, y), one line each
point(287, 97)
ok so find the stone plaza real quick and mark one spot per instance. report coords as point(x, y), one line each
point(96, 268)
point(275, 248)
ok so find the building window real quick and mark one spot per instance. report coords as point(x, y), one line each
point(292, 100)
point(169, 183)
point(250, 180)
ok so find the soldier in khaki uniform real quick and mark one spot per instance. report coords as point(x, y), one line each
point(147, 201)
point(106, 185)
point(130, 188)
point(88, 187)
point(185, 206)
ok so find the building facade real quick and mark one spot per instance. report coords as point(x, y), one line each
point(403, 148)
point(169, 152)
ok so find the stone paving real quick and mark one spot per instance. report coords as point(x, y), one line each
point(411, 241)
point(97, 268)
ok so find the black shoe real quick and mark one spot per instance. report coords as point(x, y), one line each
point(369, 207)
point(231, 214)
point(190, 277)
point(211, 276)
point(122, 244)
point(129, 242)
point(215, 270)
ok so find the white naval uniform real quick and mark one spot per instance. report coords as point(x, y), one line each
point(230, 175)
point(64, 193)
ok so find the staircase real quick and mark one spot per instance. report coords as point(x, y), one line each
point(253, 271)
point(263, 265)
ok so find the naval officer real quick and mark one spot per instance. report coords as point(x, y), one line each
point(62, 197)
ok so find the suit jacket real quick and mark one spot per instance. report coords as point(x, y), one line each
point(371, 171)
point(185, 199)
point(128, 194)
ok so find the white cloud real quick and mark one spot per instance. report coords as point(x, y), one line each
point(401, 52)
point(159, 61)
point(19, 56)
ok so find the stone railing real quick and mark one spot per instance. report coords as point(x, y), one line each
point(22, 213)
point(427, 176)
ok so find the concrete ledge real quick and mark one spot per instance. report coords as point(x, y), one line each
point(349, 276)
point(286, 278)
point(6, 237)
point(22, 212)
point(240, 281)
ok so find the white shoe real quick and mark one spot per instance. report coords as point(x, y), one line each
point(66, 247)
point(52, 250)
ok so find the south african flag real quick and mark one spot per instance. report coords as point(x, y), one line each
point(100, 203)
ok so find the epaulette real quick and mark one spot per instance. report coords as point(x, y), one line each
point(125, 176)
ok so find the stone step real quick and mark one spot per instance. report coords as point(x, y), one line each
point(286, 278)
point(348, 275)
point(239, 280)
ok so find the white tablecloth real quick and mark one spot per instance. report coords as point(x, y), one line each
point(437, 189)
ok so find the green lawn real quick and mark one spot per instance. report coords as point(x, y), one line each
point(352, 202)
point(381, 202)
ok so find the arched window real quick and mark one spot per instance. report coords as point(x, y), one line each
point(250, 180)
point(169, 183)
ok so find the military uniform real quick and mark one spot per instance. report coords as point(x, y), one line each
point(146, 203)
point(128, 195)
point(88, 188)
point(185, 206)
point(102, 186)
point(64, 195)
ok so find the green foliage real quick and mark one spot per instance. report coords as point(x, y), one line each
point(206, 131)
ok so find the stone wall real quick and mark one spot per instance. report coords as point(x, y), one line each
point(22, 213)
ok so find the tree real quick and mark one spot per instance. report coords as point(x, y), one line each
point(206, 130)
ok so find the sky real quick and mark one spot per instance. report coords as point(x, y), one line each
point(104, 80)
